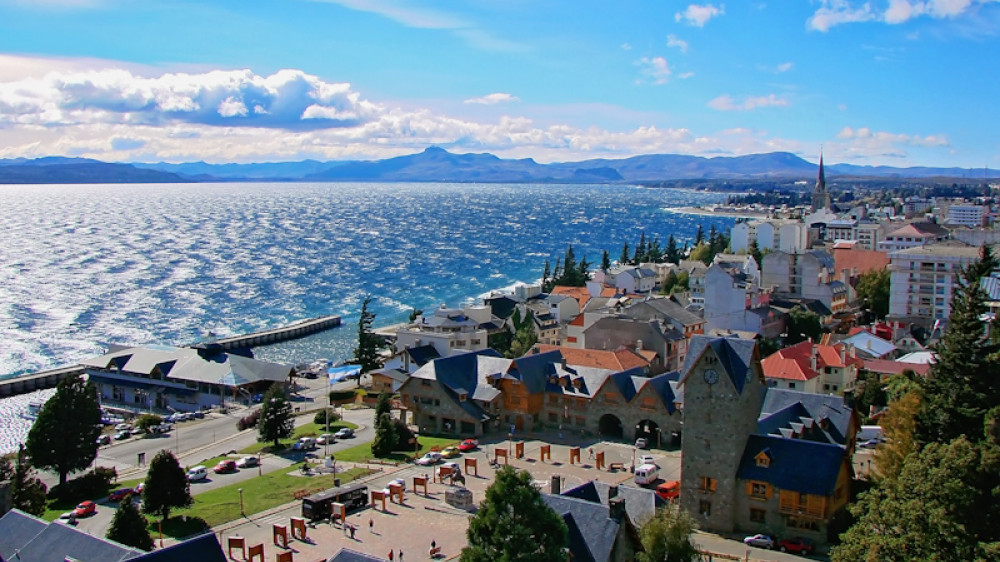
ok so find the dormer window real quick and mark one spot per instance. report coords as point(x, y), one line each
point(462, 397)
point(763, 459)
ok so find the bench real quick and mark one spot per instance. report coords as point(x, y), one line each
point(616, 466)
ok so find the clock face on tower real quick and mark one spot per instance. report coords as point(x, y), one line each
point(711, 376)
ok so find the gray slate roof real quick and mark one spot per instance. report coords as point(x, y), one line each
point(663, 307)
point(734, 355)
point(783, 407)
point(30, 538)
point(640, 503)
point(348, 555)
point(184, 364)
point(592, 530)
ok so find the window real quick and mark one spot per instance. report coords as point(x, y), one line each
point(791, 385)
point(758, 489)
point(707, 484)
point(705, 508)
point(553, 417)
point(763, 460)
point(758, 515)
point(425, 382)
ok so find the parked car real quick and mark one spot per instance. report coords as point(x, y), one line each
point(429, 459)
point(119, 494)
point(104, 439)
point(645, 459)
point(344, 433)
point(85, 509)
point(197, 473)
point(326, 439)
point(796, 545)
point(247, 462)
point(139, 488)
point(760, 541)
point(450, 452)
point(870, 444)
point(123, 427)
point(468, 445)
point(138, 431)
point(122, 435)
point(198, 414)
point(641, 443)
point(669, 490)
point(225, 466)
point(304, 444)
point(175, 417)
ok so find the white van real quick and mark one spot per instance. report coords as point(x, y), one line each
point(197, 473)
point(646, 474)
point(869, 432)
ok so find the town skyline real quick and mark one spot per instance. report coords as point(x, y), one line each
point(898, 83)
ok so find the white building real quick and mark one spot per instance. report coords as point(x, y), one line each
point(972, 216)
point(448, 330)
point(923, 280)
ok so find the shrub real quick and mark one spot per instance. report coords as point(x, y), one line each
point(248, 421)
point(91, 485)
point(147, 421)
point(339, 396)
point(320, 417)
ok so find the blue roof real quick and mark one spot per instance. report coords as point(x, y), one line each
point(625, 384)
point(592, 530)
point(734, 355)
point(533, 370)
point(661, 384)
point(825, 258)
point(800, 466)
point(782, 407)
point(423, 354)
point(203, 548)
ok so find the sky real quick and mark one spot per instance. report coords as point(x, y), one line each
point(877, 82)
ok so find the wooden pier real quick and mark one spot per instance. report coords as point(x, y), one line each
point(23, 384)
point(293, 331)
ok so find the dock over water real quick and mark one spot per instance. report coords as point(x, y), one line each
point(49, 378)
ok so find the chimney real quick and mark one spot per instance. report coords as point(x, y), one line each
point(616, 507)
point(612, 492)
point(812, 358)
point(843, 354)
point(555, 485)
point(638, 345)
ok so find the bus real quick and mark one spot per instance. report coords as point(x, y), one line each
point(319, 506)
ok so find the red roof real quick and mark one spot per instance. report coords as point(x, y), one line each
point(581, 294)
point(858, 261)
point(620, 360)
point(889, 367)
point(795, 362)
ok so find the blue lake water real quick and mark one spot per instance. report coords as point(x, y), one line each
point(85, 265)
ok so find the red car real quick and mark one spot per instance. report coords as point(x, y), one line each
point(670, 490)
point(797, 545)
point(85, 508)
point(468, 445)
point(225, 466)
point(119, 494)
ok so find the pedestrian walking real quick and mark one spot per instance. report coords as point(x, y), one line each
point(591, 453)
point(401, 555)
point(390, 555)
point(371, 525)
point(353, 528)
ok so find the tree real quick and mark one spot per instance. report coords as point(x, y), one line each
point(933, 511)
point(898, 425)
point(640, 249)
point(27, 492)
point(414, 314)
point(624, 258)
point(703, 253)
point(385, 436)
point(873, 292)
point(366, 354)
point(871, 392)
point(699, 236)
point(667, 536)
point(964, 382)
point(146, 421)
point(128, 527)
point(754, 250)
point(276, 420)
point(64, 437)
point(802, 325)
point(672, 254)
point(514, 524)
point(669, 283)
point(167, 486)
point(605, 261)
point(525, 336)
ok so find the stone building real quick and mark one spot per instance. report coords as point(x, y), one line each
point(757, 459)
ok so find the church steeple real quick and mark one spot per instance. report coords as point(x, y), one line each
point(820, 197)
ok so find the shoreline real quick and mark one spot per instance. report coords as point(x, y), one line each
point(700, 211)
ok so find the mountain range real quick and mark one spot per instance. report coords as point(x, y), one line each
point(438, 165)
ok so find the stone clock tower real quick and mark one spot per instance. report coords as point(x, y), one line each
point(723, 392)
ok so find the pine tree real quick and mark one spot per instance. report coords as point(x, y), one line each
point(547, 278)
point(514, 524)
point(654, 253)
point(27, 492)
point(129, 527)
point(699, 236)
point(276, 419)
point(366, 353)
point(625, 257)
point(672, 254)
point(640, 249)
point(385, 431)
point(605, 261)
point(754, 251)
point(167, 486)
point(64, 437)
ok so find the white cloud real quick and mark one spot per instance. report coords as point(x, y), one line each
point(836, 12)
point(494, 98)
point(626, 47)
point(727, 103)
point(287, 99)
point(674, 41)
point(698, 15)
point(685, 75)
point(655, 68)
point(785, 67)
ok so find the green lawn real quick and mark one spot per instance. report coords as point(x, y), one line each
point(363, 452)
point(307, 430)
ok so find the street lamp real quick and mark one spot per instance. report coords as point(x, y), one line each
point(242, 512)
